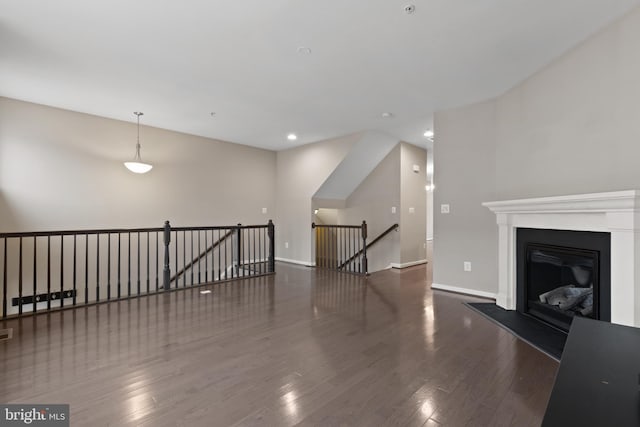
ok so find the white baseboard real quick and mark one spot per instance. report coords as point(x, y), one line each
point(295, 261)
point(407, 264)
point(465, 291)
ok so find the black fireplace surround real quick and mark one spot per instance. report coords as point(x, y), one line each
point(562, 274)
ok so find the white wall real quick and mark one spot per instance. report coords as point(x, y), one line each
point(571, 128)
point(63, 170)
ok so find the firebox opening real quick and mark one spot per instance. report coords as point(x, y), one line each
point(563, 274)
point(561, 284)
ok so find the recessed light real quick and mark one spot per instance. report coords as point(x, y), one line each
point(302, 50)
point(206, 291)
point(428, 134)
point(387, 115)
point(292, 137)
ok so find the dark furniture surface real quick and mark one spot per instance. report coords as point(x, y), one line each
point(598, 382)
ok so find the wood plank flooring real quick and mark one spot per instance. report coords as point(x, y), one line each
point(303, 347)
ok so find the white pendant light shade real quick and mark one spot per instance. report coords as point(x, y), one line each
point(137, 165)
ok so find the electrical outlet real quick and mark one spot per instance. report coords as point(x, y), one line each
point(264, 210)
point(286, 245)
point(412, 210)
point(467, 266)
point(393, 209)
point(444, 209)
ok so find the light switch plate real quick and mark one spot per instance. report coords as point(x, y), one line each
point(444, 209)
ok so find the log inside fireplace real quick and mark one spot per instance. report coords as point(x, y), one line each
point(563, 274)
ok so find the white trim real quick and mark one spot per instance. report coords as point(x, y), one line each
point(295, 261)
point(407, 264)
point(465, 291)
point(613, 201)
point(429, 239)
point(388, 267)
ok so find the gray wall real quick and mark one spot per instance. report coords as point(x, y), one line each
point(575, 126)
point(63, 170)
point(372, 201)
point(326, 216)
point(300, 172)
point(571, 128)
point(393, 183)
point(465, 177)
point(430, 205)
point(413, 204)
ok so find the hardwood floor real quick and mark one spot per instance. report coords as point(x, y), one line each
point(305, 346)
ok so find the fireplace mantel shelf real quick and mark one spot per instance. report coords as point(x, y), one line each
point(616, 212)
point(615, 201)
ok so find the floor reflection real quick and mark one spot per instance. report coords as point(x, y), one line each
point(61, 347)
point(303, 346)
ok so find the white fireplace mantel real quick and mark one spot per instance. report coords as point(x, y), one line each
point(615, 212)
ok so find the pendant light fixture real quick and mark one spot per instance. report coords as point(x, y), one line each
point(137, 165)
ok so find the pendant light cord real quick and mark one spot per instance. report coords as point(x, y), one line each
point(138, 114)
point(138, 158)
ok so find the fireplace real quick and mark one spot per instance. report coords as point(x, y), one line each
point(616, 213)
point(561, 274)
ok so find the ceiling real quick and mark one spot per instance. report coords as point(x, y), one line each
point(180, 61)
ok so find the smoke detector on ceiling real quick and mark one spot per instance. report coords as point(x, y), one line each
point(409, 9)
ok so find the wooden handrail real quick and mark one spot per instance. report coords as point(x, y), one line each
point(203, 254)
point(80, 232)
point(373, 242)
point(120, 263)
point(353, 227)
